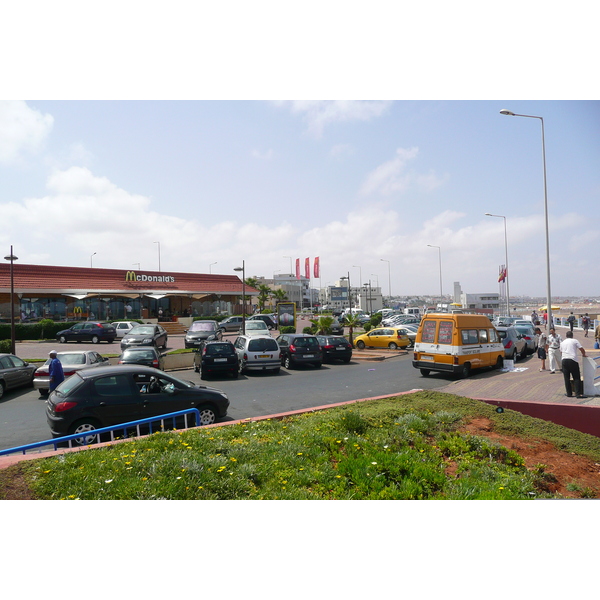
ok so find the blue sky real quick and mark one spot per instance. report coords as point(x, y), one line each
point(350, 182)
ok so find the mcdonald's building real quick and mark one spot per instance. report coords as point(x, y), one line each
point(74, 293)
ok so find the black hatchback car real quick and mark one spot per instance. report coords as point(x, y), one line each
point(145, 335)
point(201, 331)
point(216, 357)
point(335, 347)
point(88, 331)
point(142, 355)
point(95, 398)
point(300, 348)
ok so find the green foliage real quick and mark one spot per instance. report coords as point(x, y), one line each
point(44, 329)
point(367, 327)
point(376, 319)
point(287, 329)
point(5, 346)
point(322, 325)
point(308, 330)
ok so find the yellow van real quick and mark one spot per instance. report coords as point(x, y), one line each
point(456, 343)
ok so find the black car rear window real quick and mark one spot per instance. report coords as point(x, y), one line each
point(262, 344)
point(145, 353)
point(305, 342)
point(216, 349)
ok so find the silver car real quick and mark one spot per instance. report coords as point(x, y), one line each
point(258, 353)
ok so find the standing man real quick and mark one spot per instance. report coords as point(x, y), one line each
point(55, 371)
point(542, 342)
point(585, 323)
point(554, 340)
point(570, 366)
point(571, 321)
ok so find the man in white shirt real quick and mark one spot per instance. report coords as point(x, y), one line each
point(554, 340)
point(570, 366)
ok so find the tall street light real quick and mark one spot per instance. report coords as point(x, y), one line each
point(506, 258)
point(389, 279)
point(92, 256)
point(548, 294)
point(210, 267)
point(440, 260)
point(12, 259)
point(158, 255)
point(243, 270)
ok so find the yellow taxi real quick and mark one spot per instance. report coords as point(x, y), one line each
point(383, 337)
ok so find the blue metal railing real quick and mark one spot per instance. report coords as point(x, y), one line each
point(98, 432)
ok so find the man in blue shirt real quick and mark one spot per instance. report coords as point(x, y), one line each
point(55, 370)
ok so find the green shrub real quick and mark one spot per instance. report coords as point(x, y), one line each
point(287, 329)
point(5, 346)
point(376, 319)
point(309, 330)
point(367, 327)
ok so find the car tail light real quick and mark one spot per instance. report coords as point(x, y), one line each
point(155, 363)
point(245, 356)
point(328, 347)
point(120, 362)
point(62, 406)
point(68, 373)
point(41, 374)
point(508, 344)
point(292, 348)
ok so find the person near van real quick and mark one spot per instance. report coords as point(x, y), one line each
point(554, 356)
point(571, 321)
point(542, 343)
point(585, 323)
point(570, 366)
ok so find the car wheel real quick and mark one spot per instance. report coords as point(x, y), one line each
point(234, 374)
point(202, 374)
point(62, 339)
point(85, 426)
point(95, 339)
point(208, 416)
point(241, 367)
point(393, 346)
point(346, 360)
point(425, 372)
point(287, 362)
point(2, 388)
point(360, 345)
point(197, 368)
point(465, 371)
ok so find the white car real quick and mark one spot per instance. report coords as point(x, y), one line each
point(124, 327)
point(256, 328)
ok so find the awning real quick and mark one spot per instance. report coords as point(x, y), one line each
point(156, 296)
point(77, 296)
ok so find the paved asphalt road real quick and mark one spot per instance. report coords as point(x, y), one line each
point(22, 412)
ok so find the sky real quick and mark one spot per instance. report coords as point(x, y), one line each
point(356, 183)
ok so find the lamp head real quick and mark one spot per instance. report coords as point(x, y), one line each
point(507, 112)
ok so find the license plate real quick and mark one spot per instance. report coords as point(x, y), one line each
point(309, 356)
point(264, 356)
point(427, 358)
point(340, 348)
point(220, 360)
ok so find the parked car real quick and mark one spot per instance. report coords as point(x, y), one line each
point(515, 347)
point(88, 331)
point(124, 327)
point(216, 357)
point(231, 324)
point(200, 331)
point(383, 337)
point(300, 348)
point(142, 355)
point(410, 333)
point(528, 334)
point(14, 372)
point(145, 335)
point(258, 353)
point(336, 328)
point(71, 361)
point(255, 328)
point(267, 320)
point(95, 398)
point(335, 347)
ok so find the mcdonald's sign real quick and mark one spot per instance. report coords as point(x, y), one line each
point(133, 276)
point(130, 276)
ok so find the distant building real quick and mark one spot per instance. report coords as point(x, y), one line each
point(482, 302)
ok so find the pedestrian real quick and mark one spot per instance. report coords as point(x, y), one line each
point(570, 366)
point(534, 318)
point(585, 323)
point(55, 370)
point(597, 337)
point(545, 317)
point(542, 345)
point(571, 321)
point(554, 356)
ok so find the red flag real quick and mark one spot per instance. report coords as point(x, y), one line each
point(316, 268)
point(503, 274)
point(307, 268)
point(297, 268)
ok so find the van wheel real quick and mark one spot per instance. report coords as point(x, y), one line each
point(425, 372)
point(499, 363)
point(465, 371)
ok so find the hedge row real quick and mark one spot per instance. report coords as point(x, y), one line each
point(43, 330)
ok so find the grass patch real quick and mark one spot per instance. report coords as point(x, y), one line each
point(407, 447)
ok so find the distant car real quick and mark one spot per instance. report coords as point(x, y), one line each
point(515, 347)
point(14, 372)
point(267, 320)
point(300, 348)
point(336, 328)
point(145, 335)
point(200, 331)
point(71, 361)
point(383, 337)
point(216, 357)
point(88, 331)
point(231, 324)
point(258, 353)
point(410, 333)
point(142, 355)
point(335, 347)
point(254, 328)
point(95, 398)
point(528, 334)
point(124, 327)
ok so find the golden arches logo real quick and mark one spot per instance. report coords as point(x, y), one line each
point(130, 276)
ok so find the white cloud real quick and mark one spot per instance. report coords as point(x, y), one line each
point(22, 130)
point(320, 113)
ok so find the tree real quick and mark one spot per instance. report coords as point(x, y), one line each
point(263, 296)
point(279, 295)
point(323, 325)
point(352, 321)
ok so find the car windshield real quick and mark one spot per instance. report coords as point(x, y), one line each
point(262, 345)
point(202, 326)
point(142, 330)
point(256, 325)
point(146, 353)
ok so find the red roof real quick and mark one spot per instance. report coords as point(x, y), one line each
point(48, 279)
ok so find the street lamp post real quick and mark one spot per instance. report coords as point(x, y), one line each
point(210, 267)
point(158, 255)
point(243, 270)
point(92, 256)
point(440, 261)
point(548, 294)
point(389, 279)
point(506, 259)
point(12, 259)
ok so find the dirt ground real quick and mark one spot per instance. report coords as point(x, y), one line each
point(567, 474)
